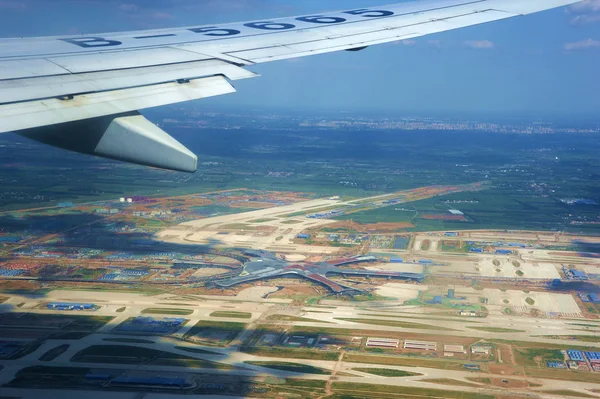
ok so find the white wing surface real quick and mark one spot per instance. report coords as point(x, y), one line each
point(82, 93)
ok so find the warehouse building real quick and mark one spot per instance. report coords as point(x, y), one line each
point(557, 365)
point(593, 356)
point(480, 350)
point(578, 275)
point(420, 345)
point(383, 343)
point(576, 355)
point(454, 349)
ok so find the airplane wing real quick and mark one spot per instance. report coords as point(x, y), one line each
point(83, 93)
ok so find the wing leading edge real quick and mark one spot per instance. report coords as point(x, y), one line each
point(61, 81)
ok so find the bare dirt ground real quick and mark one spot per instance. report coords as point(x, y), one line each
point(503, 369)
point(209, 272)
point(398, 267)
point(294, 257)
point(295, 290)
point(508, 383)
point(254, 293)
point(544, 301)
point(403, 292)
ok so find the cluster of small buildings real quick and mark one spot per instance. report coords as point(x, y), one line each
point(469, 313)
point(348, 239)
point(385, 242)
point(106, 211)
point(483, 247)
point(151, 325)
point(325, 215)
point(40, 252)
point(497, 251)
point(299, 341)
point(152, 214)
point(427, 346)
point(124, 274)
point(136, 199)
point(11, 272)
point(120, 256)
point(589, 297)
point(43, 252)
point(15, 269)
point(71, 306)
point(579, 360)
point(574, 274)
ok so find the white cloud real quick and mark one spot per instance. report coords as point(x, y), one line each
point(582, 45)
point(585, 6)
point(409, 42)
point(585, 19)
point(435, 43)
point(129, 7)
point(587, 12)
point(480, 44)
point(162, 15)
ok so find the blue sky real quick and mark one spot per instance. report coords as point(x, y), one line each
point(544, 64)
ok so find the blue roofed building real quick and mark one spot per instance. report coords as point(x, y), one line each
point(70, 306)
point(578, 275)
point(593, 356)
point(576, 355)
point(11, 272)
